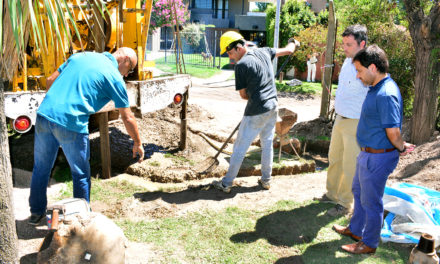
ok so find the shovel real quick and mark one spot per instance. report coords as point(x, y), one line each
point(53, 231)
point(211, 163)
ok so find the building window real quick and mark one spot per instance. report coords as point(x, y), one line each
point(203, 4)
point(221, 8)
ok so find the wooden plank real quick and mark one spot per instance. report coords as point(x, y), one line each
point(105, 144)
point(102, 117)
point(183, 122)
point(329, 54)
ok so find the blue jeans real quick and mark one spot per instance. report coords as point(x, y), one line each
point(76, 147)
point(250, 127)
point(372, 171)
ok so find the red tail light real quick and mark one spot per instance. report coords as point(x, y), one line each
point(178, 99)
point(22, 124)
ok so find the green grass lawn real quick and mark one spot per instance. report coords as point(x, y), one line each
point(305, 88)
point(198, 71)
point(288, 232)
point(285, 232)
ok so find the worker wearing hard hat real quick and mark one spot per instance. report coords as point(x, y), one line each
point(254, 79)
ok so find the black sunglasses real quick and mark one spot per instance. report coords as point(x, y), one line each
point(232, 45)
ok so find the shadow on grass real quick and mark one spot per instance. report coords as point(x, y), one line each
point(201, 192)
point(288, 228)
point(330, 252)
point(299, 228)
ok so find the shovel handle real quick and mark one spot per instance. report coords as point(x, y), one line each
point(284, 65)
point(227, 141)
point(55, 218)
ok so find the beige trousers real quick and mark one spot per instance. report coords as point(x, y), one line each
point(342, 155)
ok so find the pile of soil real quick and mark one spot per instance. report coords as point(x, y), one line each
point(422, 166)
point(165, 162)
point(314, 134)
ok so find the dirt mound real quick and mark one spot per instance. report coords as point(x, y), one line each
point(421, 167)
point(314, 135)
point(135, 210)
point(160, 132)
point(164, 162)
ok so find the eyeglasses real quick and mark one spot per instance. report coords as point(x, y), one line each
point(131, 67)
point(231, 46)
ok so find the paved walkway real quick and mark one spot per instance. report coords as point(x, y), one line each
point(223, 79)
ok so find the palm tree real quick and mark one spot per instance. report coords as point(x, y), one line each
point(23, 21)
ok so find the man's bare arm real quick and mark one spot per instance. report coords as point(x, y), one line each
point(395, 138)
point(289, 49)
point(130, 124)
point(243, 94)
point(51, 79)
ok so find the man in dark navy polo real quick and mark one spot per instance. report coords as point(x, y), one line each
point(379, 137)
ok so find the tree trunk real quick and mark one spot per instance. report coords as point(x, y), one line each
point(425, 33)
point(426, 97)
point(8, 235)
point(329, 60)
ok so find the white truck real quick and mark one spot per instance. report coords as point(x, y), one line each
point(148, 96)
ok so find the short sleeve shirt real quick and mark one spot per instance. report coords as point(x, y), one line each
point(382, 108)
point(87, 81)
point(254, 72)
point(351, 92)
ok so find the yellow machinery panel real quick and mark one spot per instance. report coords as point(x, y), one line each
point(125, 24)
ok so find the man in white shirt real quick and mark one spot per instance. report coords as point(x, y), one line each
point(344, 148)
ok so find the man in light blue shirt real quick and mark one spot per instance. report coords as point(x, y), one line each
point(344, 148)
point(80, 87)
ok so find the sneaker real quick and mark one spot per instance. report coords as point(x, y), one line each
point(337, 210)
point(264, 184)
point(219, 185)
point(324, 199)
point(35, 219)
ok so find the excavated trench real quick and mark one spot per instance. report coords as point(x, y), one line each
point(164, 162)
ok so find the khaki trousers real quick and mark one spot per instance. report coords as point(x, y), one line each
point(342, 155)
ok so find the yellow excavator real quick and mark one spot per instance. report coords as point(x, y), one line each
point(119, 23)
point(125, 23)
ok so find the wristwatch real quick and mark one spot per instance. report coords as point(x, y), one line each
point(403, 150)
point(292, 40)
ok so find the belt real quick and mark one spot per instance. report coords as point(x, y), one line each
point(376, 151)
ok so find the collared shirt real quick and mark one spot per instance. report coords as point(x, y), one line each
point(382, 108)
point(351, 92)
point(86, 83)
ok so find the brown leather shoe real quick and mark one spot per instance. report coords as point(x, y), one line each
point(345, 231)
point(358, 248)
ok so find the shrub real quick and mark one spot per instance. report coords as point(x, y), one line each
point(314, 39)
point(161, 14)
point(192, 34)
point(295, 16)
point(397, 43)
point(365, 12)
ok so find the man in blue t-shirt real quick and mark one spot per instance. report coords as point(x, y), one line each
point(379, 137)
point(80, 87)
point(254, 79)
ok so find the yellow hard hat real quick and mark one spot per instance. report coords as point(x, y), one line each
point(227, 38)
